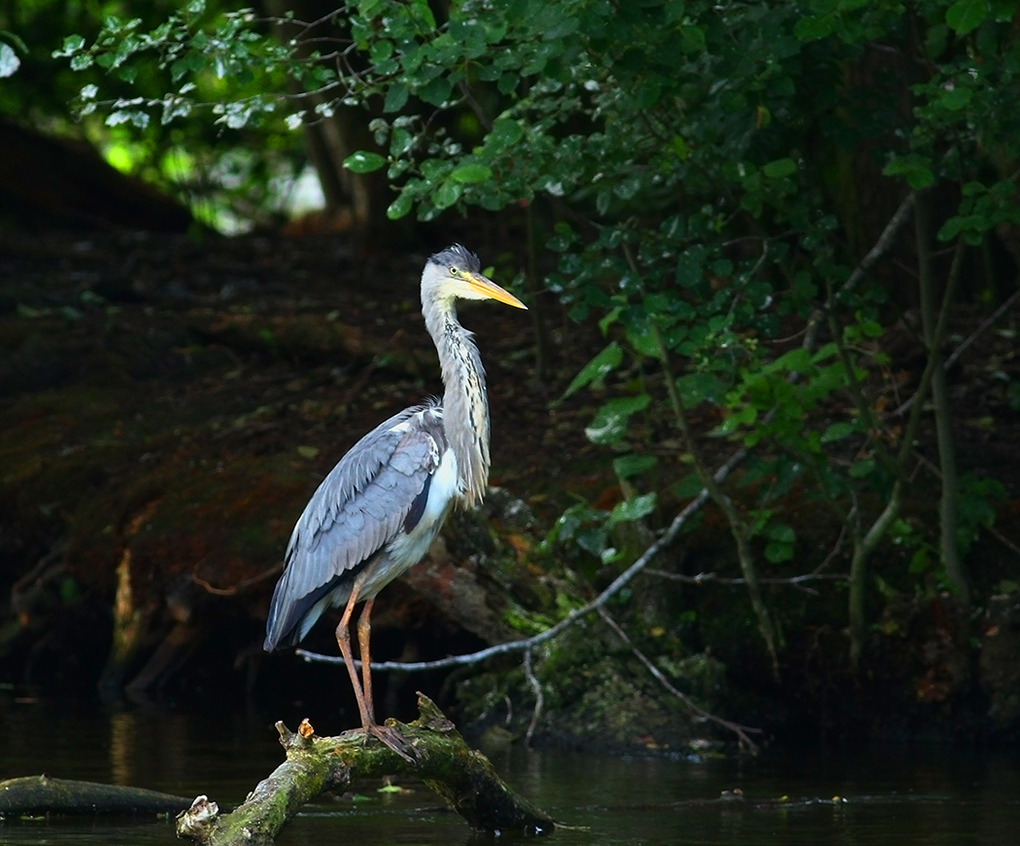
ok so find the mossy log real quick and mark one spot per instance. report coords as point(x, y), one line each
point(315, 765)
point(35, 795)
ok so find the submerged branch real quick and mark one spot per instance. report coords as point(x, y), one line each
point(36, 795)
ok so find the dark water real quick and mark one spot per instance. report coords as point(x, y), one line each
point(878, 797)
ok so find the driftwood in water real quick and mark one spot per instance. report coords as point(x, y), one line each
point(35, 795)
point(463, 777)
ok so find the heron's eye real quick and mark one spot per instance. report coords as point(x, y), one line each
point(454, 271)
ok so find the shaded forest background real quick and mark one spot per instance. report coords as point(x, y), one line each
point(761, 428)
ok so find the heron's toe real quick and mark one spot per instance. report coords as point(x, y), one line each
point(391, 736)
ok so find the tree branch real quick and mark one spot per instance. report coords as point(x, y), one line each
point(463, 777)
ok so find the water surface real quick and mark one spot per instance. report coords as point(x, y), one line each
point(902, 797)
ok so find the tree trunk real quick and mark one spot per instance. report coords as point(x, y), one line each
point(332, 139)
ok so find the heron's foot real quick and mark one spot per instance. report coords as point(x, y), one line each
point(391, 736)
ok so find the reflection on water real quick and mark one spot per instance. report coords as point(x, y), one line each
point(905, 798)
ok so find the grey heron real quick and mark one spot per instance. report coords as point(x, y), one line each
point(378, 510)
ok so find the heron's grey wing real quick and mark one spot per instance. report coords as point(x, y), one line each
point(359, 507)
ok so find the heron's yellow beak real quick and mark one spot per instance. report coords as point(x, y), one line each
point(488, 288)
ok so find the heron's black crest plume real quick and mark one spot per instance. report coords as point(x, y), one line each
point(458, 256)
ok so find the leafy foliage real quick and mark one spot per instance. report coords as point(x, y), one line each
point(702, 165)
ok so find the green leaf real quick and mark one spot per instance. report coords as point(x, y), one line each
point(72, 44)
point(966, 15)
point(446, 194)
point(871, 328)
point(814, 27)
point(597, 369)
point(796, 360)
point(633, 509)
point(688, 487)
point(777, 552)
point(863, 468)
point(692, 39)
point(836, 432)
point(955, 99)
point(399, 207)
point(505, 132)
point(913, 169)
point(920, 561)
point(780, 168)
point(364, 161)
point(627, 466)
point(781, 532)
point(690, 267)
point(436, 91)
point(610, 422)
point(696, 388)
point(471, 173)
point(641, 335)
point(396, 97)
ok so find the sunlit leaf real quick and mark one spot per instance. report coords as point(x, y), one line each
point(633, 509)
point(364, 161)
point(471, 173)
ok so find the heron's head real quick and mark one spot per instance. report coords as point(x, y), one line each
point(455, 273)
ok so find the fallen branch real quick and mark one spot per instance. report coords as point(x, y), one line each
point(36, 795)
point(463, 777)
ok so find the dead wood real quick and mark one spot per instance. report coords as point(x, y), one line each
point(34, 795)
point(462, 776)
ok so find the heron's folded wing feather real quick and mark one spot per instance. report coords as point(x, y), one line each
point(361, 504)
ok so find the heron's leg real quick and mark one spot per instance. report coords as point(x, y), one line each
point(390, 735)
point(364, 644)
point(343, 639)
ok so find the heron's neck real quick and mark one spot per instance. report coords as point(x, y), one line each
point(465, 407)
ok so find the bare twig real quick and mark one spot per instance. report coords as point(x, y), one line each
point(240, 586)
point(1006, 542)
point(539, 699)
point(883, 244)
point(740, 731)
point(986, 324)
point(522, 645)
point(713, 578)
